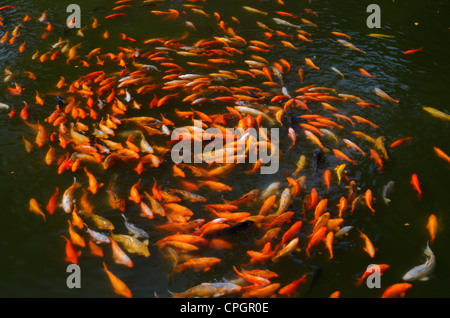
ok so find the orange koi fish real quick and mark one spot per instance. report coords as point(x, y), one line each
point(119, 286)
point(377, 159)
point(291, 232)
point(329, 243)
point(409, 52)
point(114, 15)
point(292, 287)
point(400, 142)
point(340, 155)
point(368, 248)
point(35, 207)
point(416, 185)
point(310, 63)
point(343, 206)
point(94, 186)
point(253, 279)
point(71, 254)
point(368, 197)
point(432, 226)
point(198, 264)
point(75, 237)
point(134, 192)
point(263, 292)
point(342, 35)
point(365, 73)
point(53, 202)
point(441, 154)
point(396, 290)
point(317, 237)
point(362, 120)
point(119, 255)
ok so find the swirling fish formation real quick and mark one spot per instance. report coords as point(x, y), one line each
point(118, 116)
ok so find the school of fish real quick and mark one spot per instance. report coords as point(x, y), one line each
point(93, 126)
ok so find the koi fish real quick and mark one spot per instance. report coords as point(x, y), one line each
point(377, 159)
point(253, 10)
point(339, 172)
point(337, 71)
point(285, 201)
point(262, 292)
point(52, 203)
point(132, 244)
point(8, 8)
point(416, 185)
point(369, 198)
point(386, 190)
point(207, 290)
point(342, 232)
point(354, 146)
point(72, 255)
point(286, 250)
point(365, 73)
point(198, 264)
point(385, 96)
point(293, 136)
point(317, 237)
point(368, 248)
point(349, 45)
point(340, 155)
point(35, 207)
point(341, 34)
point(120, 288)
point(436, 113)
point(310, 63)
point(409, 52)
point(441, 154)
point(329, 243)
point(313, 138)
point(286, 23)
point(68, 199)
point(400, 141)
point(422, 272)
point(396, 290)
point(76, 238)
point(248, 197)
point(119, 256)
point(379, 35)
point(343, 205)
point(432, 226)
point(94, 186)
point(292, 287)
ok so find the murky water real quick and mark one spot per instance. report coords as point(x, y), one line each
point(32, 251)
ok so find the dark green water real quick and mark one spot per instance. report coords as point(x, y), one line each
point(32, 252)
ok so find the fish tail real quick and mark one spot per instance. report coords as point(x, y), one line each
point(359, 281)
point(176, 295)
